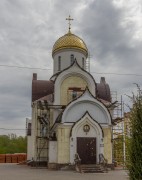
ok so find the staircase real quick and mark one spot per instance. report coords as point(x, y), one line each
point(92, 168)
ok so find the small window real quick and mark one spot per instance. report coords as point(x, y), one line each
point(59, 63)
point(83, 63)
point(29, 128)
point(74, 94)
point(72, 58)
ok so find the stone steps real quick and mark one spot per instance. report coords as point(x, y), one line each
point(92, 168)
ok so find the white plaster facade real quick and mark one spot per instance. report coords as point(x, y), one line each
point(65, 56)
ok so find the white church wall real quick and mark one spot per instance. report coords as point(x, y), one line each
point(66, 59)
point(52, 152)
point(63, 138)
point(108, 143)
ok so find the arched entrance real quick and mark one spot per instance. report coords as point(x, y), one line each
point(86, 148)
point(88, 143)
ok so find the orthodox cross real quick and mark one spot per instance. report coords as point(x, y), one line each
point(69, 19)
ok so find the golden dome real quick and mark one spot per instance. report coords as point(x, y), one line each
point(70, 40)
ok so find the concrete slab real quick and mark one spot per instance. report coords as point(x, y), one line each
point(23, 172)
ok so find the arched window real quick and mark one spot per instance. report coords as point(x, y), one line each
point(59, 63)
point(72, 58)
point(83, 63)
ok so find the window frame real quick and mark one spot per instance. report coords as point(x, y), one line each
point(72, 58)
point(59, 63)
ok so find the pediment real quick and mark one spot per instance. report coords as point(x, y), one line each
point(86, 103)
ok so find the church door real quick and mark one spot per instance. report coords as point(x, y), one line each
point(86, 148)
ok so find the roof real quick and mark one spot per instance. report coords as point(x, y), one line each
point(41, 88)
point(103, 90)
point(48, 98)
point(71, 41)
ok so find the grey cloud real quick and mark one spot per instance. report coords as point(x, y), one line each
point(28, 30)
point(105, 35)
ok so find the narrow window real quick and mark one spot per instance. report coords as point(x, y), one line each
point(29, 129)
point(83, 63)
point(72, 58)
point(59, 63)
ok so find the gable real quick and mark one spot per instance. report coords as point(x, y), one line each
point(76, 109)
point(74, 71)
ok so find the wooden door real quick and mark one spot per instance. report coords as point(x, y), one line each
point(86, 148)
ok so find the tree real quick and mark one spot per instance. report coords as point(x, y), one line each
point(135, 142)
point(118, 149)
point(12, 144)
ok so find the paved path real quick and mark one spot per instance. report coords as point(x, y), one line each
point(22, 172)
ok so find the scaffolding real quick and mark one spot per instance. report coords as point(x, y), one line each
point(42, 136)
point(118, 131)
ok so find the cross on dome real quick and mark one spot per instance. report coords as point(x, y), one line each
point(69, 19)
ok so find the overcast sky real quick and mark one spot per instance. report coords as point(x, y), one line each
point(112, 30)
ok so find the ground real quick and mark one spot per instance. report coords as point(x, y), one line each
point(23, 172)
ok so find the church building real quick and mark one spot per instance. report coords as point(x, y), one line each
point(71, 112)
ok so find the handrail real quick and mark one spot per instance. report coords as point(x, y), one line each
point(77, 161)
point(103, 161)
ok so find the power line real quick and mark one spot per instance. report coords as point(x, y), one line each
point(45, 69)
point(12, 129)
point(22, 67)
point(121, 74)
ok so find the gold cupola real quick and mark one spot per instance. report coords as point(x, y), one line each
point(70, 41)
